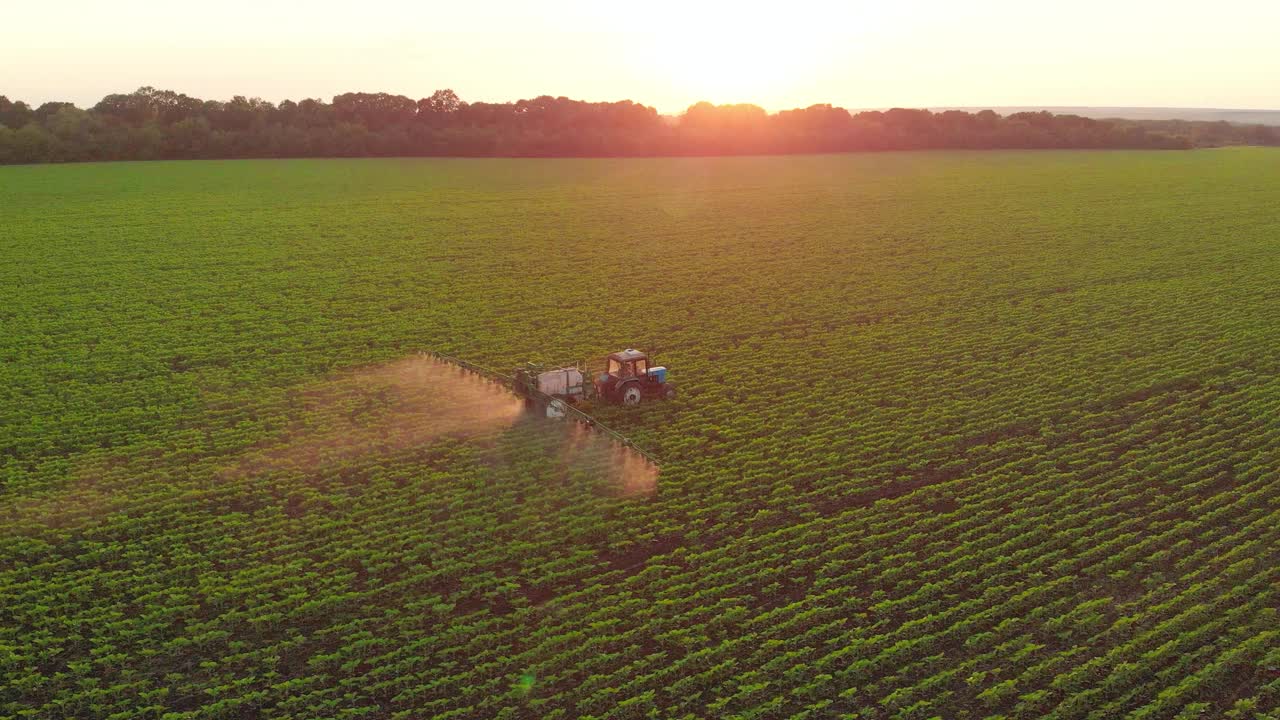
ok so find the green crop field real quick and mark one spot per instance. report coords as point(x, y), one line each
point(958, 435)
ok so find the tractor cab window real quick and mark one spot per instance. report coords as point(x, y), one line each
point(627, 368)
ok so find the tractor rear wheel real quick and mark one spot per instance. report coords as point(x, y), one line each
point(631, 395)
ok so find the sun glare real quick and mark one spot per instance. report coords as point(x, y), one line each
point(729, 53)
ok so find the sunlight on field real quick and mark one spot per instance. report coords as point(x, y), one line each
point(957, 434)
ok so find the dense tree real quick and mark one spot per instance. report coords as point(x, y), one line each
point(48, 110)
point(14, 114)
point(32, 143)
point(6, 146)
point(374, 111)
point(150, 123)
point(439, 106)
point(148, 104)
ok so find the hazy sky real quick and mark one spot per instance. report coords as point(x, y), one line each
point(664, 53)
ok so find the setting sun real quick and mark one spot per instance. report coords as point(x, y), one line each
point(712, 53)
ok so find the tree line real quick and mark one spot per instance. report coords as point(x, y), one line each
point(151, 124)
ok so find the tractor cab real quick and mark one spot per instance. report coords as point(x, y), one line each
point(629, 377)
point(628, 363)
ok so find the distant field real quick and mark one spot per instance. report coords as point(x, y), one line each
point(1244, 117)
point(959, 435)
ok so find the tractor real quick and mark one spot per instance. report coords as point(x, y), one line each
point(558, 392)
point(628, 379)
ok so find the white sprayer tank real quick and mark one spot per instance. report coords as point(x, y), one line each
point(565, 382)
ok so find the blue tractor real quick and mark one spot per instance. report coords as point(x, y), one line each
point(628, 379)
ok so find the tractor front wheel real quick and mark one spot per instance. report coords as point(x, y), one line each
point(669, 393)
point(631, 395)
